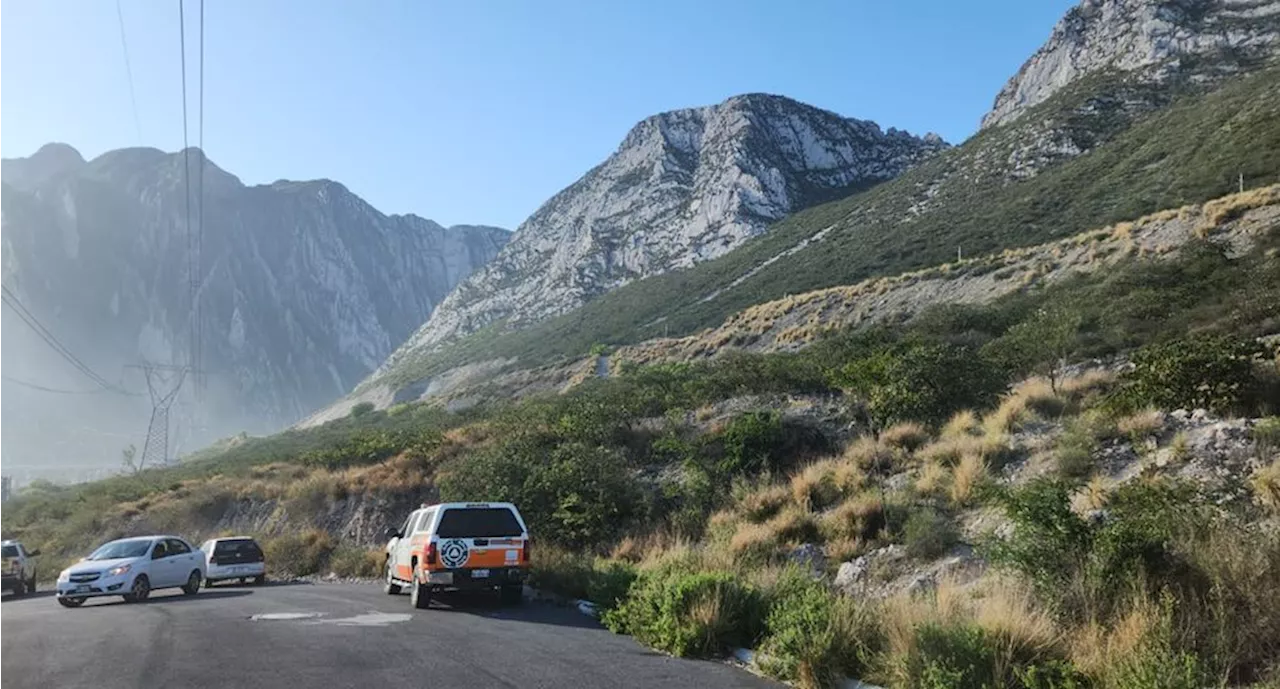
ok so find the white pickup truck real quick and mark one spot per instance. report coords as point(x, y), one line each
point(19, 568)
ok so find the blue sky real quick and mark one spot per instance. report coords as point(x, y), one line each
point(478, 111)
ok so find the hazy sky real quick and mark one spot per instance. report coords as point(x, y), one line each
point(477, 111)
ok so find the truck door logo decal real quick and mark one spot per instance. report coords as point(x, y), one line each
point(453, 553)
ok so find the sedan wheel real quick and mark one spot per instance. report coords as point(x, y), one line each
point(70, 602)
point(140, 590)
point(193, 584)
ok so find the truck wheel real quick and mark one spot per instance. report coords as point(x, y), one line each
point(420, 596)
point(31, 585)
point(390, 587)
point(260, 580)
point(18, 589)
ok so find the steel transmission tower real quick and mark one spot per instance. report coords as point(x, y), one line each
point(163, 382)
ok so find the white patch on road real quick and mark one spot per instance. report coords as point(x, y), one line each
point(369, 619)
point(286, 616)
point(373, 619)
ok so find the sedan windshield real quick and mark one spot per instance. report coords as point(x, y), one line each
point(119, 549)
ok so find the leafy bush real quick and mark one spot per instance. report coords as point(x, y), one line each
point(914, 380)
point(752, 443)
point(688, 613)
point(362, 409)
point(929, 533)
point(352, 561)
point(569, 493)
point(610, 582)
point(1209, 371)
point(813, 637)
point(298, 554)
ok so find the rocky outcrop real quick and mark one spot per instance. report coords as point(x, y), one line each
point(1160, 39)
point(303, 290)
point(684, 186)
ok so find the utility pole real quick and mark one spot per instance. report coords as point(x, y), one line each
point(1241, 182)
point(163, 382)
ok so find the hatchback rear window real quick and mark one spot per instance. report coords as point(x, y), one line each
point(478, 522)
point(246, 547)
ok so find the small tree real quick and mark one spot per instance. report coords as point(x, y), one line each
point(919, 381)
point(362, 409)
point(128, 460)
point(1041, 344)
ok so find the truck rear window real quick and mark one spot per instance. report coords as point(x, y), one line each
point(478, 522)
point(10, 551)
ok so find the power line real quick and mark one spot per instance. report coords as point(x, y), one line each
point(128, 70)
point(42, 388)
point(199, 324)
point(29, 318)
point(186, 179)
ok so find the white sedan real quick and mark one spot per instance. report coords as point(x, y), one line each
point(133, 568)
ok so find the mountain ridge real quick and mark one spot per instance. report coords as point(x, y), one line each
point(684, 186)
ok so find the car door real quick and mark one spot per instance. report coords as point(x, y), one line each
point(182, 559)
point(161, 571)
point(403, 547)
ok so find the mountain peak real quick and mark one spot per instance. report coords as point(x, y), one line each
point(685, 186)
point(49, 161)
point(1158, 38)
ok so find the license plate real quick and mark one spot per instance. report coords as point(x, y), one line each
point(479, 574)
point(82, 589)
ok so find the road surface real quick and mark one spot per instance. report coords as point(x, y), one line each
point(327, 635)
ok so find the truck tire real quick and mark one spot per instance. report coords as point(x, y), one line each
point(420, 595)
point(31, 585)
point(390, 587)
point(19, 588)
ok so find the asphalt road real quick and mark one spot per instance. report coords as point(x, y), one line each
point(327, 635)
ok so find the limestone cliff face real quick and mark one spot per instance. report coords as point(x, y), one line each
point(303, 287)
point(684, 187)
point(1155, 39)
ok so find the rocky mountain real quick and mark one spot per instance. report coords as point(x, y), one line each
point(1159, 39)
point(303, 288)
point(684, 187)
point(1091, 133)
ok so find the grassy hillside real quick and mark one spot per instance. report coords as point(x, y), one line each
point(689, 499)
point(976, 197)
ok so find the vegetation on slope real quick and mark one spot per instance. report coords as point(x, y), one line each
point(701, 479)
point(970, 198)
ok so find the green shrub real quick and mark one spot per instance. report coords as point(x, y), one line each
point(914, 380)
point(1209, 371)
point(752, 443)
point(929, 533)
point(814, 637)
point(352, 561)
point(569, 493)
point(609, 583)
point(298, 554)
point(1266, 436)
point(687, 613)
point(561, 571)
point(362, 409)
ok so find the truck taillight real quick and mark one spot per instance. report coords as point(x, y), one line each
point(524, 556)
point(431, 554)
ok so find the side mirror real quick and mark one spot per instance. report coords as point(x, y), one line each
point(392, 532)
point(33, 553)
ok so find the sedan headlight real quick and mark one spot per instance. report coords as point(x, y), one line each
point(64, 576)
point(117, 571)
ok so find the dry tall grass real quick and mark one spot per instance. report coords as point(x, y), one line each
point(905, 436)
point(1266, 486)
point(967, 475)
